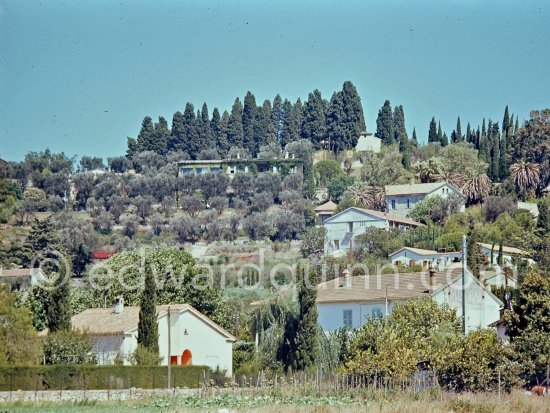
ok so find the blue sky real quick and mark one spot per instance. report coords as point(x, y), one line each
point(79, 76)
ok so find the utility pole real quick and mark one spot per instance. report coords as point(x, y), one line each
point(169, 348)
point(464, 259)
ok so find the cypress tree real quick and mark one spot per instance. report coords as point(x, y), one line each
point(543, 220)
point(444, 140)
point(147, 325)
point(354, 117)
point(250, 119)
point(205, 130)
point(468, 136)
point(335, 121)
point(290, 130)
point(459, 136)
point(265, 132)
point(503, 166)
point(314, 119)
point(432, 134)
point(401, 136)
point(483, 149)
point(495, 152)
point(58, 309)
point(414, 140)
point(439, 133)
point(235, 126)
point(175, 141)
point(162, 135)
point(215, 126)
point(298, 110)
point(506, 123)
point(399, 130)
point(223, 145)
point(307, 328)
point(474, 256)
point(500, 259)
point(277, 116)
point(191, 138)
point(510, 141)
point(384, 124)
point(146, 136)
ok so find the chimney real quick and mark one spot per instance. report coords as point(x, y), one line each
point(432, 276)
point(119, 304)
point(347, 279)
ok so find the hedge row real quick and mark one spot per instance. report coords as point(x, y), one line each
point(90, 377)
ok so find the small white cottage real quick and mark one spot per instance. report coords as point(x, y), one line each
point(491, 253)
point(408, 257)
point(194, 338)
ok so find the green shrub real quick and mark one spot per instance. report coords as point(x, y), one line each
point(89, 377)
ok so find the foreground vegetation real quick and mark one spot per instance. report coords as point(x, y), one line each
point(430, 402)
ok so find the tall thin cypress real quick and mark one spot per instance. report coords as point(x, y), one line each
point(307, 328)
point(432, 133)
point(147, 325)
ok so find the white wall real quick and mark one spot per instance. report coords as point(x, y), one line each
point(207, 345)
point(338, 227)
point(482, 308)
point(331, 315)
point(402, 208)
point(438, 261)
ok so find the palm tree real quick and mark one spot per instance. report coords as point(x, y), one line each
point(525, 175)
point(371, 197)
point(427, 171)
point(476, 186)
point(456, 179)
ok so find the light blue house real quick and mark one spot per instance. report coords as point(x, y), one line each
point(343, 227)
point(348, 301)
point(401, 199)
point(408, 256)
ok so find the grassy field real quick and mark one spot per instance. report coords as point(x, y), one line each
point(516, 402)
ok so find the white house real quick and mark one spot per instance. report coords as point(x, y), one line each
point(348, 301)
point(21, 277)
point(346, 225)
point(498, 278)
point(194, 338)
point(401, 199)
point(408, 256)
point(491, 252)
point(368, 142)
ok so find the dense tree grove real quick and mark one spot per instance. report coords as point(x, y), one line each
point(252, 126)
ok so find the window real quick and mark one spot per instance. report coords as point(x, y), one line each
point(393, 204)
point(408, 204)
point(350, 226)
point(376, 313)
point(336, 244)
point(348, 320)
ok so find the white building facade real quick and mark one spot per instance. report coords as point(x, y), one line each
point(408, 257)
point(342, 228)
point(186, 336)
point(341, 306)
point(401, 199)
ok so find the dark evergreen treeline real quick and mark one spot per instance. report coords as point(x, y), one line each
point(251, 127)
point(491, 141)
